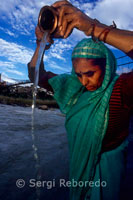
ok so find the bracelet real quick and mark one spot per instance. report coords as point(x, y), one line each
point(106, 31)
point(92, 32)
point(93, 25)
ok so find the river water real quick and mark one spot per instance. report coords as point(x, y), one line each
point(17, 155)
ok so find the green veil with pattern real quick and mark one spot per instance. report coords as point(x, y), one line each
point(87, 115)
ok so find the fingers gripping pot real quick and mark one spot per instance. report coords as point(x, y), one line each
point(48, 21)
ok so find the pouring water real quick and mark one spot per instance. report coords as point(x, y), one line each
point(34, 136)
point(41, 50)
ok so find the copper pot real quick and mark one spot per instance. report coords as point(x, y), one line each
point(48, 21)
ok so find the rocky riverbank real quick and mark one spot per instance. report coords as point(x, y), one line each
point(22, 96)
point(41, 104)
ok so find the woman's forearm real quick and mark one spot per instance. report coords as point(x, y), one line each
point(43, 75)
point(75, 18)
point(121, 39)
point(35, 56)
point(32, 65)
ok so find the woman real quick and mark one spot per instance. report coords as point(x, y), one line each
point(97, 104)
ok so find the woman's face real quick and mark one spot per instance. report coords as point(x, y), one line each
point(89, 74)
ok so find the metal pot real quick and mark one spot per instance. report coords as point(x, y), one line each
point(48, 21)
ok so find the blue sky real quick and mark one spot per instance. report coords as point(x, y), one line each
point(18, 19)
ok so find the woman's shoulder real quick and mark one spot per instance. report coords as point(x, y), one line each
point(125, 83)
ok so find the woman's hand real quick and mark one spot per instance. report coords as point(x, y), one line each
point(39, 35)
point(71, 17)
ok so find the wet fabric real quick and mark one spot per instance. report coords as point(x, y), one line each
point(87, 115)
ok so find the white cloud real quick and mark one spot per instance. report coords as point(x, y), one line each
point(118, 10)
point(8, 32)
point(4, 64)
point(56, 55)
point(53, 65)
point(17, 54)
point(10, 68)
point(22, 14)
point(76, 37)
point(14, 72)
point(59, 48)
point(14, 52)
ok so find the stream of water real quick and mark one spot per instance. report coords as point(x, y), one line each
point(33, 134)
point(41, 50)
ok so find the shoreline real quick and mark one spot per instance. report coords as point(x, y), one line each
point(26, 102)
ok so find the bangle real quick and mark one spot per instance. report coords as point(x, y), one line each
point(93, 25)
point(92, 32)
point(106, 31)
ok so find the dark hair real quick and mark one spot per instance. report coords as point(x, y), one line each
point(101, 62)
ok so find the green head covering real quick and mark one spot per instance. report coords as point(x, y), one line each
point(87, 48)
point(87, 114)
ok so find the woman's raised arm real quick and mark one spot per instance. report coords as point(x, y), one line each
point(71, 17)
point(44, 75)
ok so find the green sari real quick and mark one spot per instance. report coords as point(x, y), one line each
point(87, 116)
